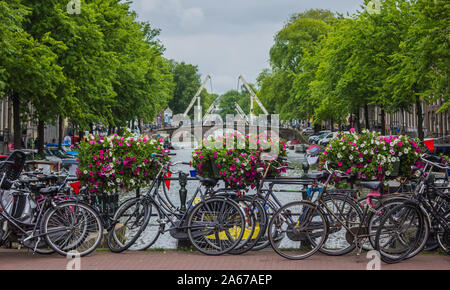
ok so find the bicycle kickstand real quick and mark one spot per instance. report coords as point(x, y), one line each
point(359, 247)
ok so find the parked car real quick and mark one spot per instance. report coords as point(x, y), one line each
point(315, 138)
point(326, 140)
point(308, 132)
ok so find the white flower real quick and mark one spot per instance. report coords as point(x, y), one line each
point(361, 159)
point(350, 157)
point(388, 173)
point(339, 155)
point(365, 152)
point(85, 172)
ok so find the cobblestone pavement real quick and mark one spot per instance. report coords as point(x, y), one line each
point(181, 260)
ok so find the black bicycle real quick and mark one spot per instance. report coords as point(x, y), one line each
point(63, 224)
point(405, 229)
point(214, 225)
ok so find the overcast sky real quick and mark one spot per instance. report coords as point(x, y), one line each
point(226, 38)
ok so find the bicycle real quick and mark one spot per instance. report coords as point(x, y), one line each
point(405, 229)
point(65, 226)
point(214, 225)
point(307, 225)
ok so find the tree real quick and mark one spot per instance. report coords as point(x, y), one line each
point(422, 62)
point(297, 40)
point(187, 82)
point(32, 72)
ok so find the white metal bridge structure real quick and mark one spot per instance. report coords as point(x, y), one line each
point(206, 125)
point(249, 119)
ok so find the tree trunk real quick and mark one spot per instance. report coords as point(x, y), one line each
point(358, 125)
point(60, 131)
point(80, 134)
point(366, 116)
point(420, 132)
point(16, 122)
point(40, 138)
point(383, 122)
point(403, 126)
point(331, 125)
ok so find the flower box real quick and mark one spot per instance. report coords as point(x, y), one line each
point(117, 163)
point(237, 166)
point(369, 156)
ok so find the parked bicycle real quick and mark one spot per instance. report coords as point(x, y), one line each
point(405, 229)
point(63, 224)
point(214, 225)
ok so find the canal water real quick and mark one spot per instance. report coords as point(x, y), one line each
point(166, 241)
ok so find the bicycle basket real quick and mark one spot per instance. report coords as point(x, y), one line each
point(11, 169)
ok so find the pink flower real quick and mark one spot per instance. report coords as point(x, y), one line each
point(340, 164)
point(352, 130)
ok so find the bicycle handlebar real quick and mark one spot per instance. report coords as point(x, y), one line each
point(331, 171)
point(435, 161)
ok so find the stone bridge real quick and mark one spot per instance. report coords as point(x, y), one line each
point(287, 134)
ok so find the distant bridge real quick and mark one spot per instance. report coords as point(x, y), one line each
point(287, 134)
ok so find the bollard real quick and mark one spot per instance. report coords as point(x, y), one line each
point(183, 190)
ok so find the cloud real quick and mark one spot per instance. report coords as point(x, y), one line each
point(192, 17)
point(226, 38)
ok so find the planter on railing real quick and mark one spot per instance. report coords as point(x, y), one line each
point(238, 165)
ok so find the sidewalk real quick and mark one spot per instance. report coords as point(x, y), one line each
point(180, 260)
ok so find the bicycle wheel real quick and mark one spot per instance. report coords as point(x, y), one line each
point(216, 226)
point(341, 209)
point(443, 235)
point(269, 211)
point(303, 228)
point(255, 227)
point(129, 221)
point(152, 230)
point(376, 216)
point(399, 232)
point(72, 227)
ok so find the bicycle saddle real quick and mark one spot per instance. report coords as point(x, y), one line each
point(46, 178)
point(207, 181)
point(37, 187)
point(371, 184)
point(49, 190)
point(315, 175)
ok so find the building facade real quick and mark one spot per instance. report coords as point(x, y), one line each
point(29, 129)
point(435, 124)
